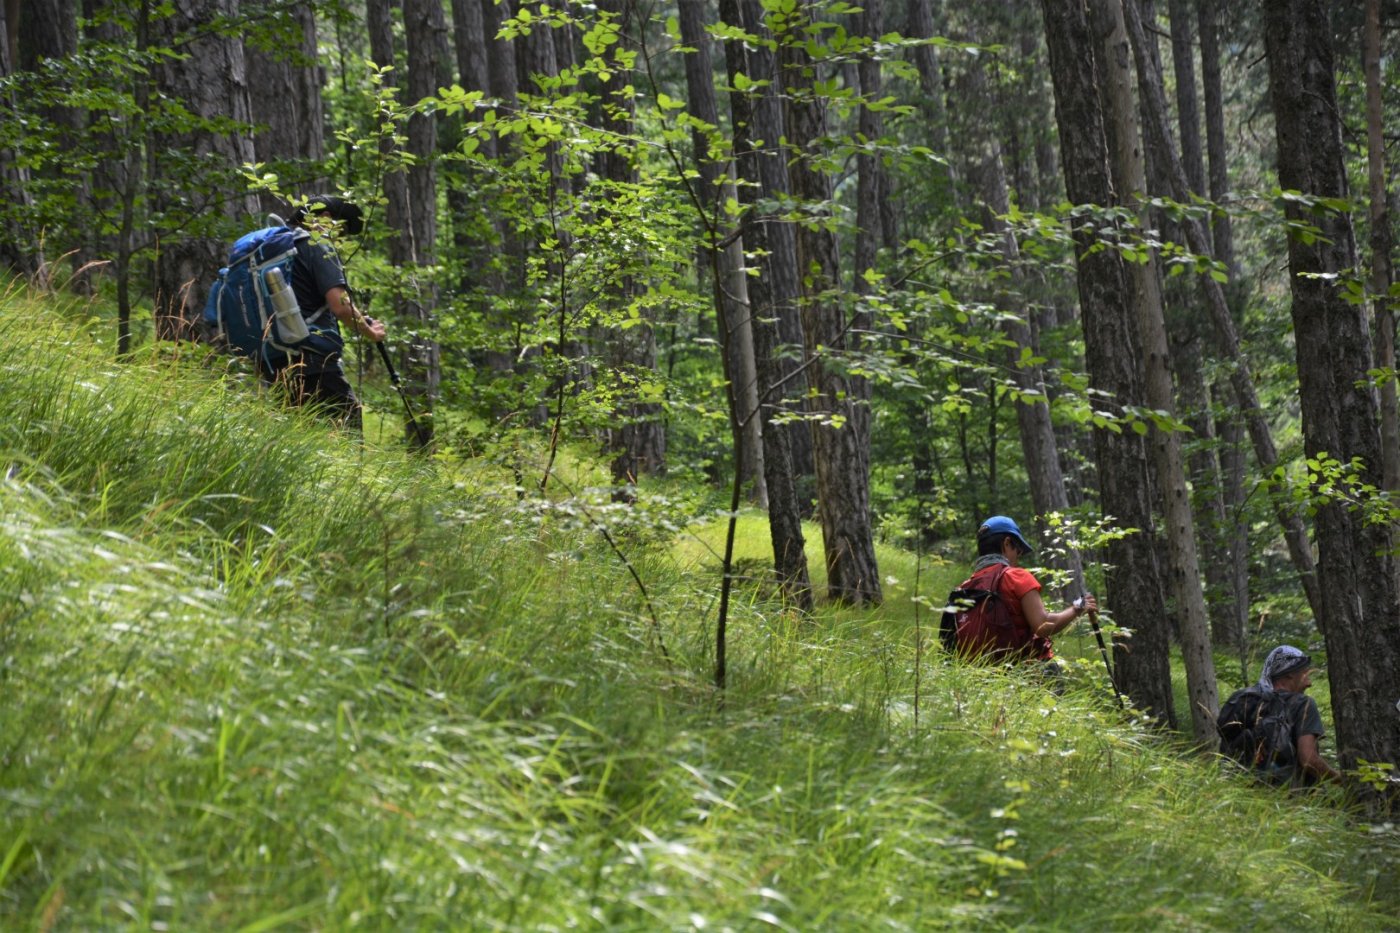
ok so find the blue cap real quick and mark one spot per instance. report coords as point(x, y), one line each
point(1001, 525)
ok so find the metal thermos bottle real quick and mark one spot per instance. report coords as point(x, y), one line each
point(291, 326)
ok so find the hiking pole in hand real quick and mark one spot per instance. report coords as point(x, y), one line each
point(419, 431)
point(1103, 651)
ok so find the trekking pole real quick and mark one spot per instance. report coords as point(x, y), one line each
point(418, 430)
point(1103, 651)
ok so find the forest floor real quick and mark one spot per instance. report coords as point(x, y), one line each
point(257, 676)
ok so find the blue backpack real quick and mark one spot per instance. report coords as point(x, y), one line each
point(240, 308)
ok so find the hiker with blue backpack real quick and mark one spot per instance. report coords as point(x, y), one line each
point(998, 613)
point(282, 299)
point(1272, 728)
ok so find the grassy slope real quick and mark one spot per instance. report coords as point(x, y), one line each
point(257, 676)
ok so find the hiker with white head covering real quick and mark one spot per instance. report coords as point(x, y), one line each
point(1272, 728)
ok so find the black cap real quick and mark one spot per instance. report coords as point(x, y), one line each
point(347, 212)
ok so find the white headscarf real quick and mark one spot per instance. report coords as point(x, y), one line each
point(1282, 660)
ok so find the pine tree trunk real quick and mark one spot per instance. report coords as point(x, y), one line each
point(1170, 467)
point(781, 269)
point(842, 458)
point(1360, 618)
point(1135, 593)
point(211, 81)
point(1241, 380)
point(1212, 88)
point(638, 441)
point(1039, 446)
point(714, 192)
point(287, 109)
point(1232, 457)
point(19, 245)
point(776, 376)
point(1382, 241)
point(425, 34)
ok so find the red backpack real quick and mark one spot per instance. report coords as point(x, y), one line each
point(978, 622)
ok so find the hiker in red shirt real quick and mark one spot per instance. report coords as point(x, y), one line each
point(1024, 628)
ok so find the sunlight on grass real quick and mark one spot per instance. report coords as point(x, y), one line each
point(259, 675)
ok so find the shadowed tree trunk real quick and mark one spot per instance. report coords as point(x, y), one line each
point(19, 246)
point(716, 188)
point(781, 268)
point(287, 108)
point(1382, 241)
point(425, 33)
point(1038, 442)
point(1356, 559)
point(842, 455)
point(1145, 300)
point(638, 443)
point(1231, 429)
point(777, 375)
point(1208, 490)
point(1110, 341)
point(211, 82)
point(1241, 380)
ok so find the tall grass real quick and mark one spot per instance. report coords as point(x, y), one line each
point(257, 676)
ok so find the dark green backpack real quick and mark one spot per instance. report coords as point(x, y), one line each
point(1256, 730)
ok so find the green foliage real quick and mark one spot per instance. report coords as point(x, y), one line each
point(257, 675)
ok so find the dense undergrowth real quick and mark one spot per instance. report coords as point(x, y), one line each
point(256, 675)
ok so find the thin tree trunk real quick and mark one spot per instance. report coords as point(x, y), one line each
point(1382, 241)
point(1232, 458)
point(1357, 562)
point(425, 31)
point(1039, 446)
point(716, 189)
point(1212, 86)
point(781, 267)
point(1145, 296)
point(379, 18)
point(1110, 341)
point(776, 375)
point(638, 442)
point(842, 460)
point(1204, 464)
point(1159, 139)
point(873, 223)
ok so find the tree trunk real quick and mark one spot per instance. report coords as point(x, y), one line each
point(1111, 341)
point(1232, 456)
point(1382, 241)
point(931, 103)
point(379, 18)
point(1039, 447)
point(211, 82)
point(49, 30)
point(19, 245)
point(425, 34)
point(874, 225)
point(782, 269)
point(287, 109)
point(776, 375)
point(842, 457)
point(1159, 139)
point(1188, 111)
point(1360, 619)
point(1213, 90)
point(1196, 410)
point(638, 442)
point(1145, 296)
point(715, 191)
